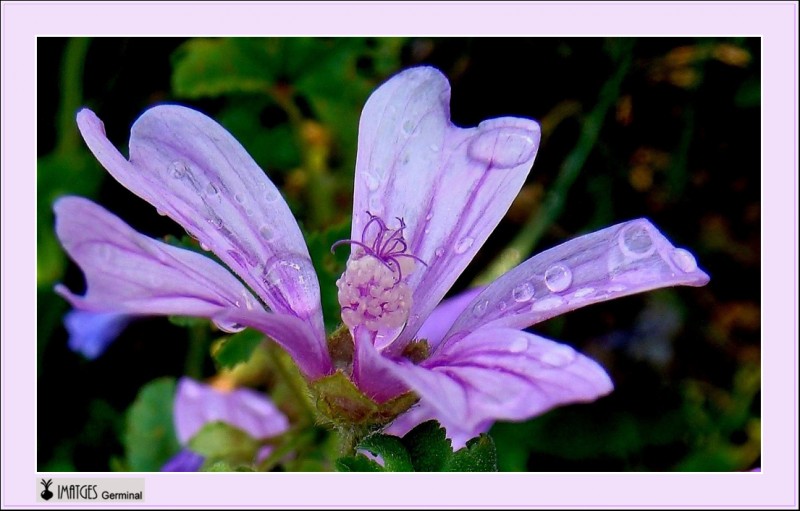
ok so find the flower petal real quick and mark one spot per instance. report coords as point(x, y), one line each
point(197, 404)
point(190, 168)
point(438, 323)
point(184, 461)
point(621, 260)
point(422, 412)
point(450, 185)
point(90, 333)
point(127, 272)
point(501, 374)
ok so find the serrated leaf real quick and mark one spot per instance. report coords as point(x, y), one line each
point(219, 441)
point(357, 463)
point(237, 348)
point(428, 447)
point(479, 455)
point(391, 449)
point(149, 437)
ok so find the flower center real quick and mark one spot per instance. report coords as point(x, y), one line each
point(372, 291)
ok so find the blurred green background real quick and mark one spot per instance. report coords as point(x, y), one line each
point(662, 128)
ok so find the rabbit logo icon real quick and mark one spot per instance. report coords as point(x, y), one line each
point(47, 494)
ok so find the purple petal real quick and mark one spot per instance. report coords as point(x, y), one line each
point(444, 315)
point(190, 168)
point(197, 404)
point(450, 185)
point(184, 461)
point(501, 374)
point(371, 374)
point(621, 260)
point(90, 333)
point(422, 412)
point(127, 272)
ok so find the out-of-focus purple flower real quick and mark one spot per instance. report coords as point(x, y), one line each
point(90, 333)
point(427, 196)
point(197, 404)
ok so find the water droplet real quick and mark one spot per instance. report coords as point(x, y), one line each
point(161, 212)
point(215, 221)
point(249, 212)
point(204, 246)
point(228, 326)
point(299, 276)
point(463, 245)
point(558, 356)
point(239, 198)
point(248, 302)
point(684, 260)
point(266, 232)
point(428, 217)
point(502, 306)
point(178, 169)
point(523, 292)
point(371, 182)
point(271, 194)
point(558, 278)
point(546, 304)
point(211, 189)
point(584, 291)
point(480, 308)
point(636, 242)
point(439, 252)
point(504, 147)
point(376, 205)
point(408, 127)
point(427, 231)
point(434, 148)
point(518, 345)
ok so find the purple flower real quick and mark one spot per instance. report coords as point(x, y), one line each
point(427, 196)
point(198, 404)
point(90, 333)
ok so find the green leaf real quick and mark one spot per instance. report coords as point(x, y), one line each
point(391, 449)
point(218, 441)
point(428, 447)
point(357, 463)
point(219, 66)
point(186, 321)
point(479, 455)
point(237, 348)
point(149, 437)
point(224, 466)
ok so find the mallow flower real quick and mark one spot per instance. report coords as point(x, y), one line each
point(427, 195)
point(197, 404)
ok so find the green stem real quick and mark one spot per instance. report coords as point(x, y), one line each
point(553, 203)
point(71, 93)
point(294, 440)
point(290, 378)
point(196, 353)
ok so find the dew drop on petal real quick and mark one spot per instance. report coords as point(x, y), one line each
point(503, 147)
point(216, 222)
point(239, 198)
point(546, 304)
point(479, 309)
point(523, 292)
point(408, 127)
point(502, 306)
point(434, 148)
point(211, 189)
point(266, 232)
point(178, 169)
point(684, 260)
point(249, 212)
point(558, 278)
point(558, 356)
point(439, 252)
point(228, 326)
point(518, 344)
point(584, 291)
point(204, 246)
point(463, 245)
point(270, 194)
point(161, 212)
point(371, 181)
point(636, 241)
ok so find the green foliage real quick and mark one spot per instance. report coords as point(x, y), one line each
point(221, 442)
point(423, 449)
point(149, 436)
point(237, 348)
